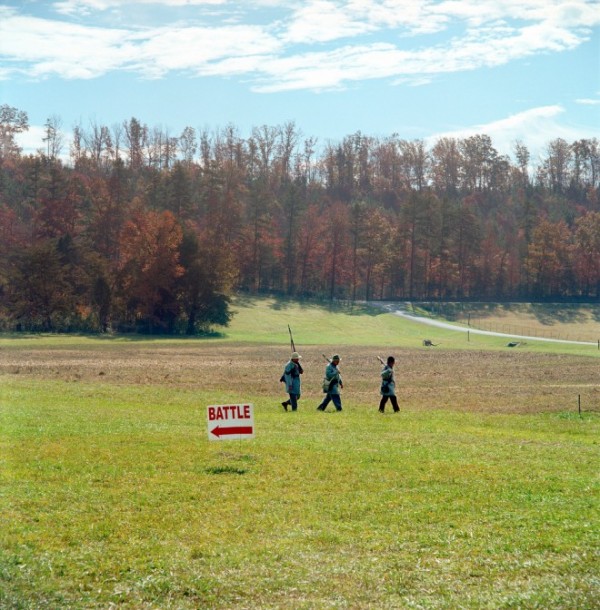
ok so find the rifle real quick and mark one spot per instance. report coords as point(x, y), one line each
point(326, 358)
point(381, 360)
point(293, 346)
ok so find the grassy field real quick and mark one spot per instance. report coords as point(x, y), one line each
point(481, 493)
point(565, 321)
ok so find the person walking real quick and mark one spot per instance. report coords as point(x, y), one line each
point(291, 378)
point(332, 384)
point(388, 386)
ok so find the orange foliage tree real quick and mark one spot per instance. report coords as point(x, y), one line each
point(149, 267)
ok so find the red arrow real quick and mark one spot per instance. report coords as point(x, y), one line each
point(218, 431)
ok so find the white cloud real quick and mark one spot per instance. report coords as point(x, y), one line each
point(32, 140)
point(321, 21)
point(480, 33)
point(85, 7)
point(195, 49)
point(486, 47)
point(587, 101)
point(39, 48)
point(536, 128)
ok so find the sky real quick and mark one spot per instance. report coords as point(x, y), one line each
point(516, 70)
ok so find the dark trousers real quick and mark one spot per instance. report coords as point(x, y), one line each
point(337, 401)
point(392, 399)
point(293, 401)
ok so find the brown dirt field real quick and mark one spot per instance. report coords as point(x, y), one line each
point(486, 381)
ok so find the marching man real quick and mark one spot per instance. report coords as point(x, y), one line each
point(332, 385)
point(388, 386)
point(291, 378)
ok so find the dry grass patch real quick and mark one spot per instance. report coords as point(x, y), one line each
point(486, 381)
point(561, 321)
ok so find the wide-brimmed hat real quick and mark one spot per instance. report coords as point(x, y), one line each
point(296, 355)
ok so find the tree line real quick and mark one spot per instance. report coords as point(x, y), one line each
point(143, 230)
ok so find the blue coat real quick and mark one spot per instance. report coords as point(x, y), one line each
point(388, 385)
point(291, 376)
point(333, 380)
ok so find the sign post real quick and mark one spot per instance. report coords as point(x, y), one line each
point(230, 422)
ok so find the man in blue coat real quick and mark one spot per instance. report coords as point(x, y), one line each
point(332, 384)
point(291, 378)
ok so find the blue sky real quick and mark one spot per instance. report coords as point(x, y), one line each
point(525, 70)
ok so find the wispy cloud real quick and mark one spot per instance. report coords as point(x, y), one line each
point(39, 48)
point(319, 44)
point(86, 7)
point(541, 126)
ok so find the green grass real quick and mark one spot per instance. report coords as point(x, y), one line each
point(266, 320)
point(123, 500)
point(111, 494)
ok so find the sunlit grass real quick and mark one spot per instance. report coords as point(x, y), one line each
point(119, 498)
point(482, 493)
point(266, 320)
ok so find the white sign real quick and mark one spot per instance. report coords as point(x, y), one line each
point(230, 422)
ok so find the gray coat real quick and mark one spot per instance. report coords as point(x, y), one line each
point(333, 380)
point(291, 376)
point(388, 384)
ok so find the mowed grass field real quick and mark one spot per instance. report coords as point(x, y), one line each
point(482, 493)
point(565, 321)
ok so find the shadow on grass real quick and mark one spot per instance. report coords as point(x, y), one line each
point(551, 313)
point(338, 306)
point(545, 313)
point(129, 337)
point(282, 303)
point(226, 470)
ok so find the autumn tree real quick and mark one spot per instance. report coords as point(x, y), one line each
point(203, 286)
point(136, 139)
point(53, 137)
point(555, 169)
point(479, 162)
point(375, 250)
point(415, 163)
point(39, 296)
point(149, 268)
point(188, 145)
point(58, 199)
point(587, 253)
point(312, 239)
point(12, 122)
point(416, 217)
point(467, 244)
point(446, 162)
point(548, 259)
point(335, 263)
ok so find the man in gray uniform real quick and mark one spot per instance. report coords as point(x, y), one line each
point(291, 378)
point(332, 384)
